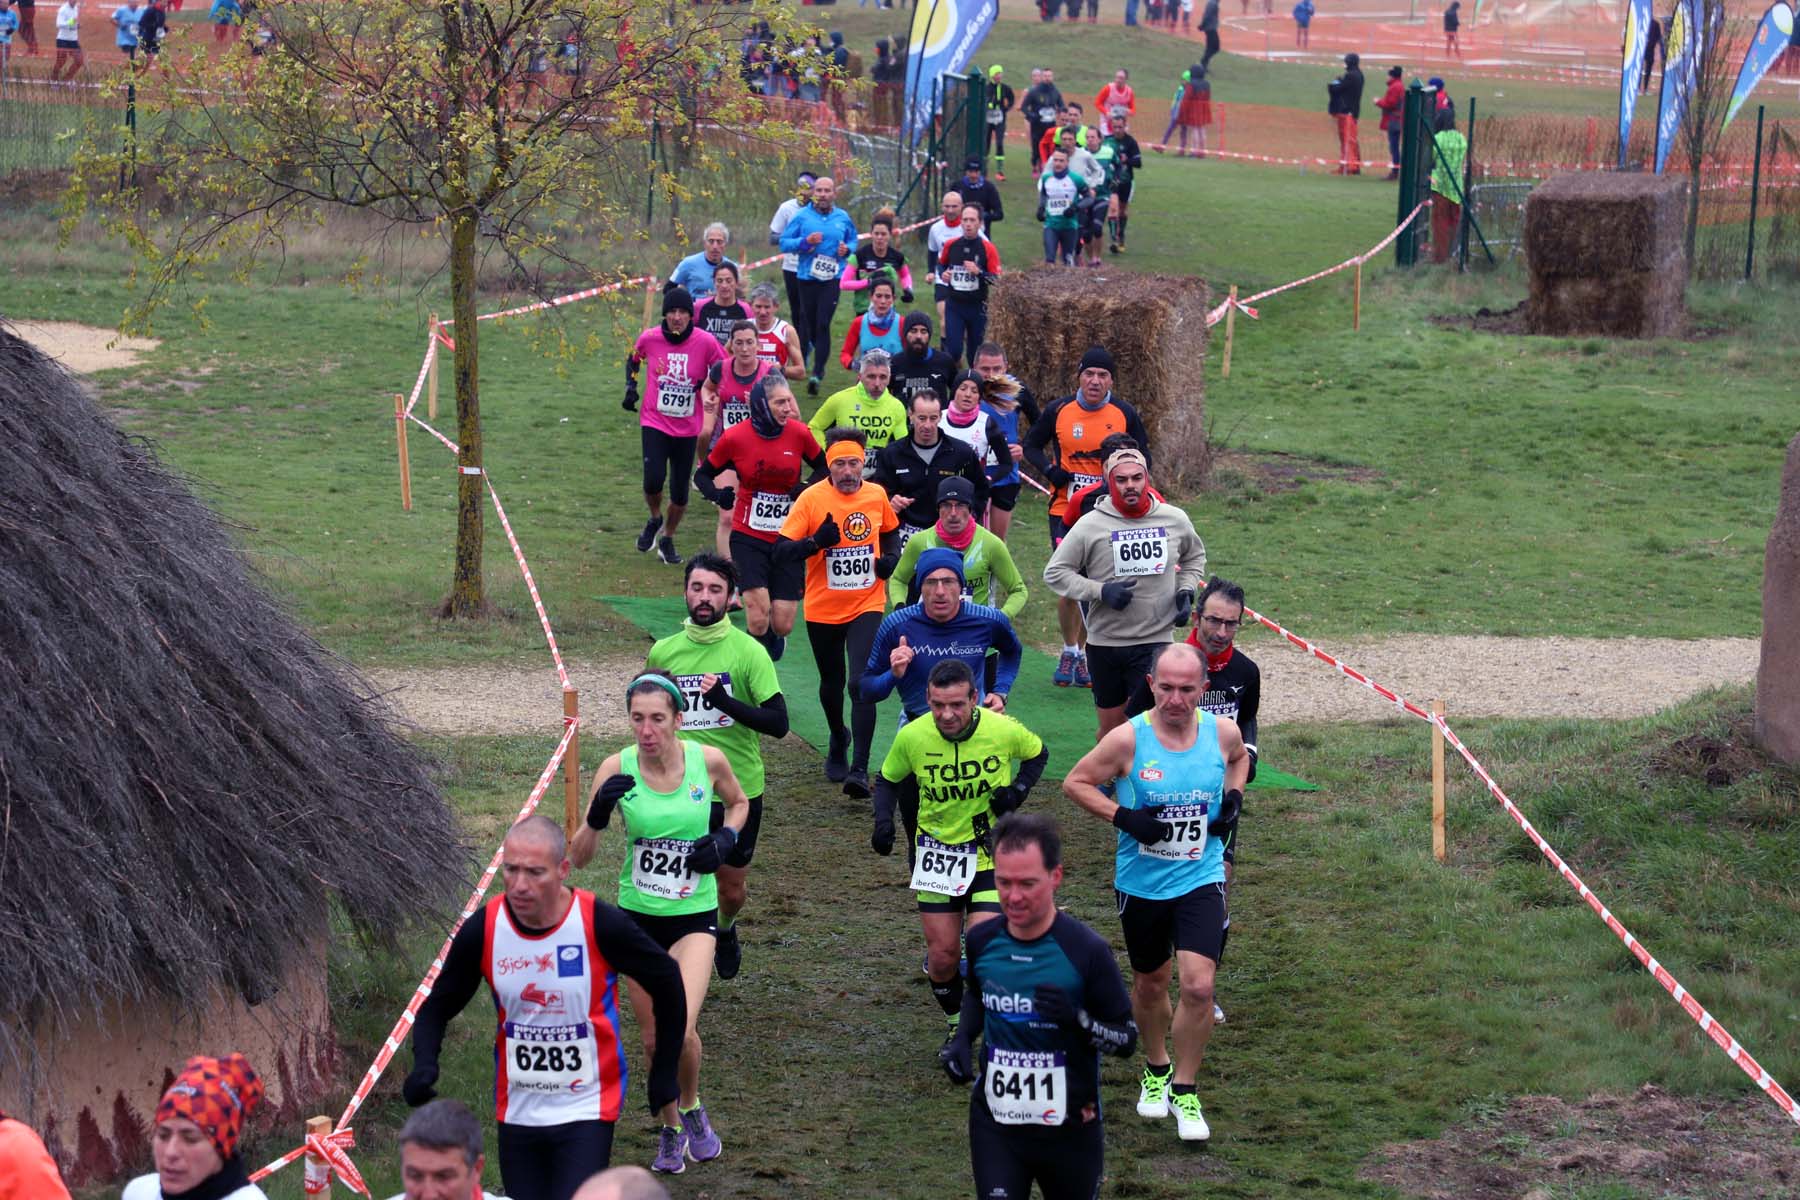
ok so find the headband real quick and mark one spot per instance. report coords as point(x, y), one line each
point(1118, 457)
point(660, 681)
point(844, 449)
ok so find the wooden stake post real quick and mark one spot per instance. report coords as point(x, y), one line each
point(1437, 783)
point(317, 1181)
point(572, 767)
point(405, 463)
point(431, 377)
point(1230, 328)
point(1356, 299)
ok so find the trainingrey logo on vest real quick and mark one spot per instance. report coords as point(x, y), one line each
point(568, 961)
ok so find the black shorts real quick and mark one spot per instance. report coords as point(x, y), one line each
point(66, 44)
point(1066, 1161)
point(1004, 496)
point(670, 458)
point(745, 850)
point(551, 1160)
point(757, 568)
point(1123, 191)
point(940, 291)
point(1155, 928)
point(665, 931)
point(1119, 672)
point(1059, 529)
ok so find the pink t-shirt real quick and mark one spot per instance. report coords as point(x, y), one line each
point(676, 371)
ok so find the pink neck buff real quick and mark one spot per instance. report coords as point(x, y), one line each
point(956, 541)
point(1144, 501)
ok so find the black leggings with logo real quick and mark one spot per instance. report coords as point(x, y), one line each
point(834, 647)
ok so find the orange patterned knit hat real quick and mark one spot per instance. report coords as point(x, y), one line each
point(216, 1094)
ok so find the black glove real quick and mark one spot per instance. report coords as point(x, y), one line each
point(1184, 607)
point(419, 1087)
point(606, 798)
point(884, 566)
point(716, 692)
point(630, 403)
point(957, 1059)
point(664, 1089)
point(726, 498)
point(1053, 1004)
point(827, 534)
point(1117, 592)
point(906, 295)
point(1007, 799)
point(710, 852)
point(1041, 214)
point(1057, 476)
point(1142, 824)
point(882, 841)
point(1229, 808)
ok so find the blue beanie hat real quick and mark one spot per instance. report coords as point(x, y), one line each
point(939, 558)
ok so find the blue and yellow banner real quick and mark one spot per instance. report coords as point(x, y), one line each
point(1638, 15)
point(1683, 46)
point(1772, 36)
point(945, 35)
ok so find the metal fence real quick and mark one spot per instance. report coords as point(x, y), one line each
point(42, 123)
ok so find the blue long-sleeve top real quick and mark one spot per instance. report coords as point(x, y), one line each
point(967, 635)
point(837, 229)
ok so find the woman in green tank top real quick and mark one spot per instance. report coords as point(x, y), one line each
point(663, 788)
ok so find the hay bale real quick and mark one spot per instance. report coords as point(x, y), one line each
point(1155, 327)
point(1606, 255)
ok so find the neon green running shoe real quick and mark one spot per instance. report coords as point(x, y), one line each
point(1189, 1124)
point(1153, 1095)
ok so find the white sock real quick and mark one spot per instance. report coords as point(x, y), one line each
point(1070, 648)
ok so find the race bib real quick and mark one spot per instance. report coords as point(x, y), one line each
point(996, 116)
point(1056, 206)
point(1047, 115)
point(733, 412)
point(962, 279)
point(850, 568)
point(550, 1058)
point(1079, 481)
point(1027, 1087)
point(943, 870)
point(675, 399)
point(824, 267)
point(659, 867)
point(768, 510)
point(790, 263)
point(699, 712)
point(1138, 552)
point(1187, 833)
point(905, 533)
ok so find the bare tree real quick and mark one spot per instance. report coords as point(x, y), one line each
point(1709, 95)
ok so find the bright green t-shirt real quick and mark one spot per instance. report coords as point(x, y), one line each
point(883, 418)
point(749, 676)
point(986, 562)
point(663, 827)
point(956, 778)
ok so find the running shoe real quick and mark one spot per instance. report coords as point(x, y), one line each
point(837, 756)
point(665, 550)
point(1189, 1124)
point(671, 1151)
point(1218, 1015)
point(1153, 1094)
point(1065, 669)
point(812, 385)
point(777, 647)
point(728, 956)
point(703, 1144)
point(856, 784)
point(647, 538)
point(1082, 678)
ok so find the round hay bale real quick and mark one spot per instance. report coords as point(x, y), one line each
point(1155, 328)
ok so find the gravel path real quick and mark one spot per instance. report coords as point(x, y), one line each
point(1474, 676)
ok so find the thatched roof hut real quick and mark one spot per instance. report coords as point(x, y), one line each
point(192, 791)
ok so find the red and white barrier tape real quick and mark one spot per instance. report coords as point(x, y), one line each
point(1244, 302)
point(434, 433)
point(1707, 1022)
point(332, 1147)
point(537, 601)
point(418, 388)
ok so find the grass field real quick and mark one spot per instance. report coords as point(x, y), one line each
point(1410, 477)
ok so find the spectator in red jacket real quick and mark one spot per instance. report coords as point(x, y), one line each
point(1393, 109)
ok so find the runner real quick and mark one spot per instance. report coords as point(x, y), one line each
point(946, 228)
point(823, 235)
point(969, 266)
point(670, 423)
point(866, 405)
point(942, 626)
point(696, 271)
point(777, 342)
point(1128, 160)
point(1059, 188)
point(790, 260)
point(1136, 562)
point(911, 468)
point(723, 309)
point(663, 786)
point(876, 329)
point(1042, 104)
point(1082, 501)
point(989, 573)
point(1093, 209)
point(878, 258)
point(1064, 446)
point(766, 455)
point(843, 529)
point(1057, 1005)
point(1004, 403)
point(1180, 782)
point(551, 955)
point(731, 700)
point(951, 777)
point(725, 403)
point(918, 366)
point(973, 424)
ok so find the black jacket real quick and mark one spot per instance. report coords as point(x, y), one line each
point(1040, 95)
point(914, 375)
point(987, 195)
point(1346, 93)
point(900, 469)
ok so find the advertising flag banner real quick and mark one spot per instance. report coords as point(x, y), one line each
point(1684, 46)
point(1638, 15)
point(1773, 33)
point(945, 35)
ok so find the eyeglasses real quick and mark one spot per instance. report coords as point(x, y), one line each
point(1221, 622)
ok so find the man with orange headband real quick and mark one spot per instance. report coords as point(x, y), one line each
point(1136, 562)
point(844, 530)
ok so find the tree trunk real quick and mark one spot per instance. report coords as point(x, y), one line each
point(1693, 215)
point(466, 594)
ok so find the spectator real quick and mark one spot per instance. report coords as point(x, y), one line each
point(1345, 108)
point(1042, 103)
point(1000, 101)
point(1118, 92)
point(695, 272)
point(198, 1124)
point(1449, 148)
point(1441, 101)
point(1393, 110)
point(840, 71)
point(1303, 15)
point(440, 1154)
point(1452, 23)
point(68, 41)
point(27, 1172)
point(1193, 110)
point(1209, 28)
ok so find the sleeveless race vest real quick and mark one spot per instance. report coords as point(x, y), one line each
point(655, 877)
point(734, 396)
point(556, 1047)
point(772, 346)
point(974, 435)
point(1185, 788)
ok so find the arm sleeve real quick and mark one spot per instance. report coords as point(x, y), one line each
point(777, 226)
point(906, 277)
point(1103, 996)
point(1032, 769)
point(31, 1173)
point(632, 953)
point(1029, 406)
point(770, 718)
point(456, 985)
point(1005, 640)
point(1037, 439)
point(789, 549)
point(1011, 582)
point(1134, 425)
point(850, 280)
point(976, 474)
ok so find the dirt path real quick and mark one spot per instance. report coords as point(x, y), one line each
point(84, 348)
point(1475, 676)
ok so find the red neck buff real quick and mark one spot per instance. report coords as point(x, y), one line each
point(957, 541)
point(1215, 665)
point(1117, 459)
